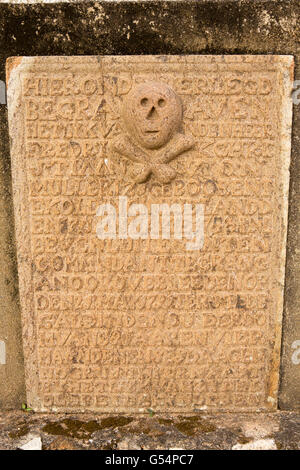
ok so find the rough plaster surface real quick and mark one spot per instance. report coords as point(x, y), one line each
point(203, 431)
point(108, 28)
point(127, 324)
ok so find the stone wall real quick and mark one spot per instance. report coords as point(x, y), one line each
point(117, 28)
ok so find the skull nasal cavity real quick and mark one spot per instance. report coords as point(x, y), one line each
point(152, 113)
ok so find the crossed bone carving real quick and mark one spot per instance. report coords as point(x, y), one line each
point(146, 164)
point(152, 114)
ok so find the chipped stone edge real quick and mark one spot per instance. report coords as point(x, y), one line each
point(286, 115)
point(257, 444)
point(22, 223)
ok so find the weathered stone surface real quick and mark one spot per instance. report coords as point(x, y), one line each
point(137, 321)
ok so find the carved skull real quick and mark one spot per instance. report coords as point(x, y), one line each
point(152, 113)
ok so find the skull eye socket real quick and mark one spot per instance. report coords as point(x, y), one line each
point(161, 103)
point(144, 101)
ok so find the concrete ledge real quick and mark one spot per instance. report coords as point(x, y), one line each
point(270, 431)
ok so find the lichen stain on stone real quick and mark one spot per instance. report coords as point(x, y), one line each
point(21, 431)
point(83, 429)
point(244, 440)
point(71, 428)
point(190, 425)
point(165, 421)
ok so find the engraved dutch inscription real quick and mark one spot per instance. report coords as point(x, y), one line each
point(150, 198)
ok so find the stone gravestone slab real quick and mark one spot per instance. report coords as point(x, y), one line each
point(151, 199)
